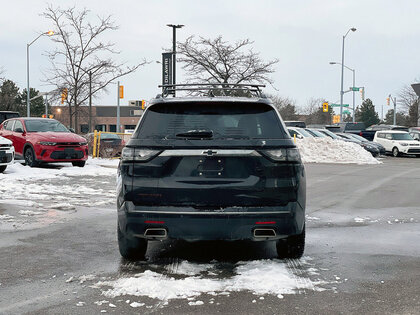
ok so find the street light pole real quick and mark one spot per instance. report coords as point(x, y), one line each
point(118, 107)
point(28, 100)
point(354, 84)
point(342, 73)
point(174, 27)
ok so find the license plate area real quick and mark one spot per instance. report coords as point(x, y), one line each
point(211, 166)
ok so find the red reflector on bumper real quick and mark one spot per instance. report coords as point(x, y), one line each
point(266, 222)
point(154, 222)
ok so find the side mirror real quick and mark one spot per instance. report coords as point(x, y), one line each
point(299, 136)
point(72, 130)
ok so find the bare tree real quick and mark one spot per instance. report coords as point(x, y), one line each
point(81, 51)
point(286, 107)
point(410, 103)
point(315, 114)
point(217, 61)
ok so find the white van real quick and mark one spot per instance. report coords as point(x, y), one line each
point(397, 142)
point(7, 153)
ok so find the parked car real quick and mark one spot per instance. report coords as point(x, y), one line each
point(379, 146)
point(369, 133)
point(398, 142)
point(295, 123)
point(42, 140)
point(110, 145)
point(415, 135)
point(7, 115)
point(211, 168)
point(7, 153)
point(329, 134)
point(373, 149)
point(299, 132)
point(315, 133)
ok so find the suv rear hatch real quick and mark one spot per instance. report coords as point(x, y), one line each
point(211, 155)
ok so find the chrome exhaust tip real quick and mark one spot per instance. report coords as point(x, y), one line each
point(264, 233)
point(156, 233)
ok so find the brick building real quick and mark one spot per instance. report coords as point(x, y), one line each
point(104, 118)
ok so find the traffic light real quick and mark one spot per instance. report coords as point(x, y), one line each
point(143, 104)
point(325, 107)
point(64, 93)
point(121, 91)
point(362, 93)
point(387, 101)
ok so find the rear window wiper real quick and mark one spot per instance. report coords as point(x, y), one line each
point(196, 134)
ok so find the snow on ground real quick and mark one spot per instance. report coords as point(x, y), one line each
point(189, 281)
point(326, 150)
point(38, 192)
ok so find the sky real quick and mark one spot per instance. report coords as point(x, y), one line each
point(303, 35)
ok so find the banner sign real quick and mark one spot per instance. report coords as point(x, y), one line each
point(166, 68)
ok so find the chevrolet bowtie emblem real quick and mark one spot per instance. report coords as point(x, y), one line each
point(209, 152)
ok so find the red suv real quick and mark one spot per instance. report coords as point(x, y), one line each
point(39, 140)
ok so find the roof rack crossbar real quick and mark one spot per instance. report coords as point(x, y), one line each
point(212, 87)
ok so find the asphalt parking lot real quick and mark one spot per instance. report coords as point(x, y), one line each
point(362, 256)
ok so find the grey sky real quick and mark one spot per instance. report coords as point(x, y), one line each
point(303, 35)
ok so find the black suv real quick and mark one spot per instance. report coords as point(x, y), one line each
point(211, 168)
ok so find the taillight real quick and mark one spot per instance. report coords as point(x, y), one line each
point(137, 154)
point(280, 155)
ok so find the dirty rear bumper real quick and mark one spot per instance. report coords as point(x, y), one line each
point(231, 223)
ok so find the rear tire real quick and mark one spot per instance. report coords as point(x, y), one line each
point(29, 156)
point(2, 168)
point(131, 248)
point(395, 152)
point(79, 163)
point(291, 247)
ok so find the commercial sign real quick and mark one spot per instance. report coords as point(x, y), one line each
point(167, 69)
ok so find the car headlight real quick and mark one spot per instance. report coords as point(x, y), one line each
point(141, 155)
point(404, 144)
point(47, 143)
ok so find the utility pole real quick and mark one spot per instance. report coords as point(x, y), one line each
point(174, 27)
point(118, 107)
point(90, 101)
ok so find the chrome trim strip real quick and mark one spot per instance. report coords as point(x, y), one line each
point(202, 152)
point(209, 212)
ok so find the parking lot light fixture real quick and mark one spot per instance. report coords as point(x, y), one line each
point(353, 29)
point(28, 101)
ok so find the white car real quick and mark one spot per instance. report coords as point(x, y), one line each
point(397, 142)
point(7, 153)
point(300, 133)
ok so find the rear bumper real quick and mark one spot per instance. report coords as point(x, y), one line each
point(235, 223)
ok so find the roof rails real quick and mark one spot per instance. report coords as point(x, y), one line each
point(215, 89)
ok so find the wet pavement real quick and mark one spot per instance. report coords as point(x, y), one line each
point(362, 253)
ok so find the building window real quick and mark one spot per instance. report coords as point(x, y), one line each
point(100, 127)
point(84, 128)
point(129, 127)
point(112, 128)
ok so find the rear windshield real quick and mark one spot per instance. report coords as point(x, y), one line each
point(401, 136)
point(220, 120)
point(355, 126)
point(44, 126)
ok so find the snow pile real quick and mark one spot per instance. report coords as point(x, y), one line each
point(31, 194)
point(327, 150)
point(259, 277)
